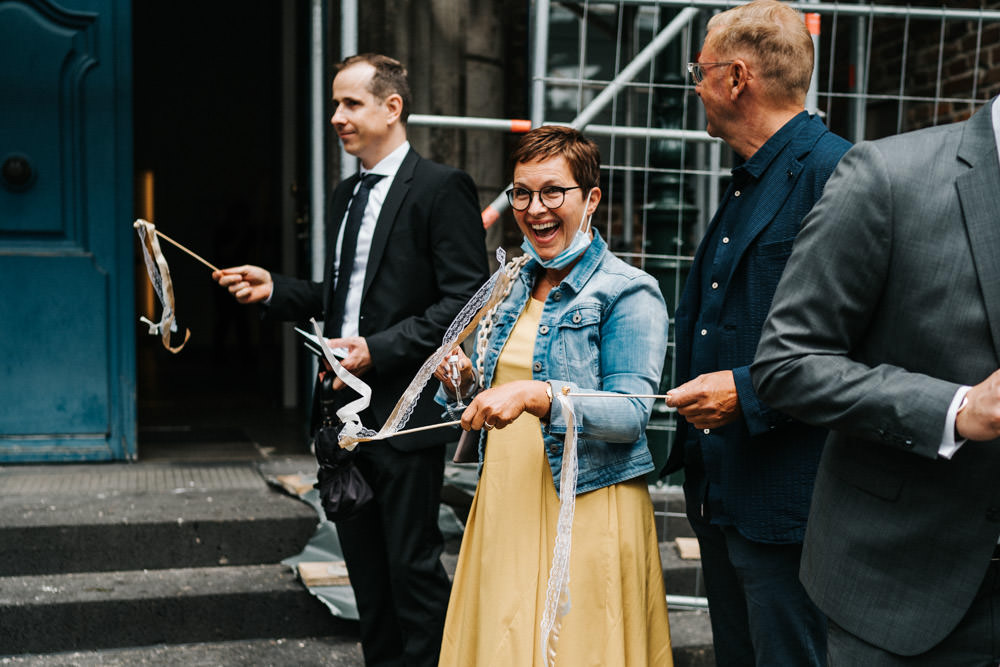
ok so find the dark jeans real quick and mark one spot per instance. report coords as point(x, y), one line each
point(974, 643)
point(393, 555)
point(761, 615)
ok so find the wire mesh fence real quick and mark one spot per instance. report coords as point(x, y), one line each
point(617, 71)
point(881, 69)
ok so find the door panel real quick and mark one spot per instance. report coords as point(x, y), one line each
point(67, 368)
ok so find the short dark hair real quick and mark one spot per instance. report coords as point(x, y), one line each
point(548, 141)
point(390, 78)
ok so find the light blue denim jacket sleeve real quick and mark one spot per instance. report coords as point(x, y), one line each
point(604, 328)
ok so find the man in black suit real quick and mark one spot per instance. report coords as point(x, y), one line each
point(402, 264)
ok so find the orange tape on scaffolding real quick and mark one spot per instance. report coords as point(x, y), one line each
point(812, 23)
point(490, 215)
point(520, 126)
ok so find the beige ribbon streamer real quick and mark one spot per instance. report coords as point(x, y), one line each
point(159, 276)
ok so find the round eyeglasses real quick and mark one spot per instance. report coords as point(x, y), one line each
point(551, 196)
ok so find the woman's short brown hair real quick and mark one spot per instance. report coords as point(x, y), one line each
point(549, 141)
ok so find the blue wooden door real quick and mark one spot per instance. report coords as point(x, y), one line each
point(67, 351)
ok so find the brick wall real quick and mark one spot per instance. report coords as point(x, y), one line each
point(939, 63)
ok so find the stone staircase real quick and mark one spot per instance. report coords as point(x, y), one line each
point(179, 563)
point(105, 556)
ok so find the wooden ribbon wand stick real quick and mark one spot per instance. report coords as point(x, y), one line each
point(178, 245)
point(566, 392)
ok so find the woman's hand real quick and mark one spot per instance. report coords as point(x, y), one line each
point(499, 406)
point(466, 373)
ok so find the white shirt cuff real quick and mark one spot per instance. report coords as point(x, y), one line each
point(949, 445)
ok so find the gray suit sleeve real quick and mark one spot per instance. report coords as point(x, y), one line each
point(818, 359)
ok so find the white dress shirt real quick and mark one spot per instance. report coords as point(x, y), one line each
point(387, 168)
point(949, 445)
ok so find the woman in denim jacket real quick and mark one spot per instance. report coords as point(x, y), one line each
point(578, 317)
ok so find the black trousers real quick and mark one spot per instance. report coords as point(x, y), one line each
point(393, 555)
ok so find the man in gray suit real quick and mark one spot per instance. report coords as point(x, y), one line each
point(885, 328)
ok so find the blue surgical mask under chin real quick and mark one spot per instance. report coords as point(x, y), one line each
point(581, 241)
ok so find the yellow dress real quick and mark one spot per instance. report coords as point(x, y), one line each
point(618, 613)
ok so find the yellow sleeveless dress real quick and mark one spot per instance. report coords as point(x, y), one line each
point(618, 614)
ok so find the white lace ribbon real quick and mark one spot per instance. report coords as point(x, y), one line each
point(557, 598)
point(487, 296)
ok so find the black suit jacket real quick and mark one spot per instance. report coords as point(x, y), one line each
point(427, 258)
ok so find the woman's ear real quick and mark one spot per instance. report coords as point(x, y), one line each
point(595, 199)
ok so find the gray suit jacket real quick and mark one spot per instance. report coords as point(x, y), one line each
point(891, 301)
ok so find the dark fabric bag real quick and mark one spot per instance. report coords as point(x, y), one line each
point(343, 491)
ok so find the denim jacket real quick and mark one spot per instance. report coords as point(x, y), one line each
point(604, 328)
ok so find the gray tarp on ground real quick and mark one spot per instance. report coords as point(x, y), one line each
point(325, 546)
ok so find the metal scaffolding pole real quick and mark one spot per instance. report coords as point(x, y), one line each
point(348, 47)
point(539, 62)
point(317, 125)
point(520, 126)
point(632, 70)
point(492, 212)
point(812, 95)
point(834, 8)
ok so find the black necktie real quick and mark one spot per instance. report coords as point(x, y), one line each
point(348, 246)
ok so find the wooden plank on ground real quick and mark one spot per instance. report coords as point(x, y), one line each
point(688, 548)
point(326, 573)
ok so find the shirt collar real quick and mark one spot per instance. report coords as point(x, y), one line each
point(389, 165)
point(759, 161)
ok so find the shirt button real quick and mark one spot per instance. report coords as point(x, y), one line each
point(707, 431)
point(544, 329)
point(715, 285)
point(537, 366)
point(725, 239)
point(556, 296)
point(704, 332)
point(736, 194)
point(576, 318)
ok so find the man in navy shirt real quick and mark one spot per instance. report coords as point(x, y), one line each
point(749, 470)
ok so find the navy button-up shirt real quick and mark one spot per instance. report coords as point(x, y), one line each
point(717, 266)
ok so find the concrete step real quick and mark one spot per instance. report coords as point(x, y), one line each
point(173, 563)
point(124, 517)
point(691, 640)
point(100, 610)
point(299, 651)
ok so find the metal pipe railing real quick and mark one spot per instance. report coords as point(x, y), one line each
point(677, 602)
point(517, 125)
point(936, 13)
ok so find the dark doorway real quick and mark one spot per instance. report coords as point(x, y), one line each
point(209, 129)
